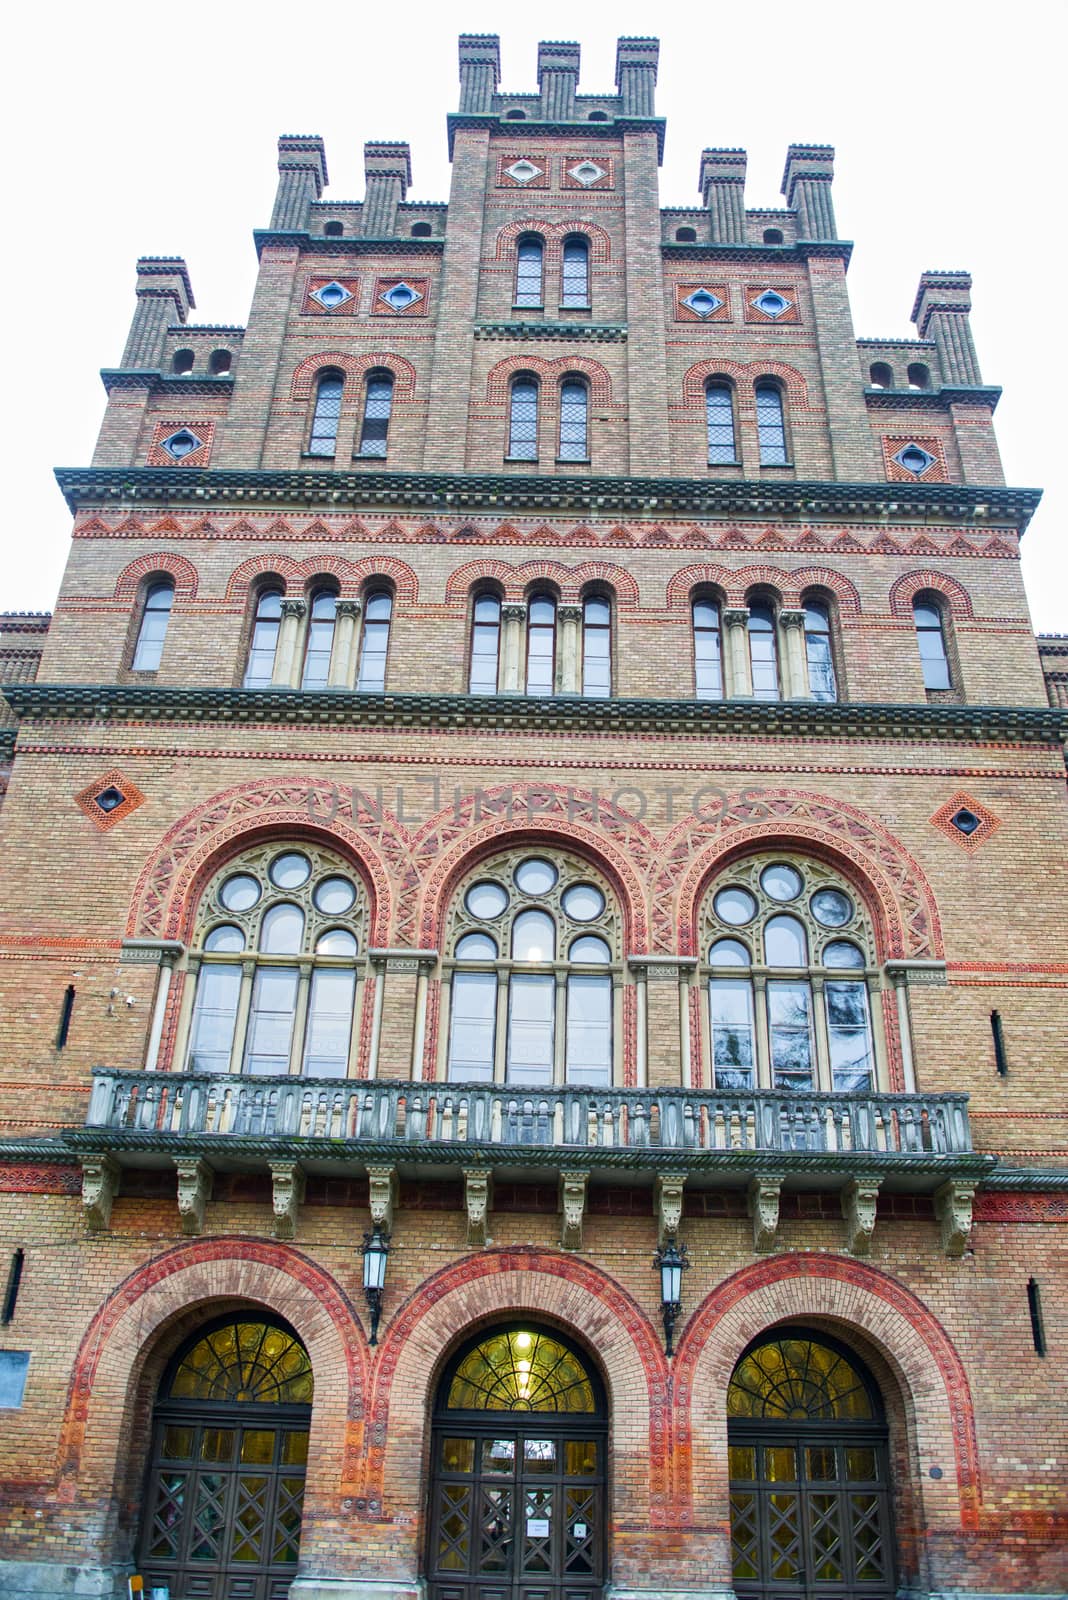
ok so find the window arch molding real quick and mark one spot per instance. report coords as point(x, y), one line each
point(554, 233)
point(354, 368)
point(150, 622)
point(156, 567)
point(951, 594)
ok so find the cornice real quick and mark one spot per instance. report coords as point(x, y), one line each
point(342, 246)
point(800, 250)
point(932, 399)
point(532, 128)
point(790, 719)
point(589, 496)
point(596, 332)
point(166, 382)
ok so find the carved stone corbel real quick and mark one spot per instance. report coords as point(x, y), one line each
point(764, 1209)
point(383, 1185)
point(100, 1185)
point(859, 1199)
point(669, 1186)
point(287, 1193)
point(573, 1206)
point(478, 1198)
point(194, 1191)
point(953, 1208)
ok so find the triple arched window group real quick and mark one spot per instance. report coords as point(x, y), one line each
point(723, 429)
point(376, 409)
point(525, 415)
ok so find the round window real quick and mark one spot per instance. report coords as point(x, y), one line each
point(535, 876)
point(831, 908)
point(735, 906)
point(583, 902)
point(485, 899)
point(240, 892)
point(334, 896)
point(289, 871)
point(781, 882)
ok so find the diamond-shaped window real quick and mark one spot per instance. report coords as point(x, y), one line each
point(587, 172)
point(703, 302)
point(914, 458)
point(109, 799)
point(966, 821)
point(331, 295)
point(400, 296)
point(772, 303)
point(523, 171)
point(181, 444)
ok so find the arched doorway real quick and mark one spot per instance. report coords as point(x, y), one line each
point(517, 1492)
point(225, 1487)
point(809, 1473)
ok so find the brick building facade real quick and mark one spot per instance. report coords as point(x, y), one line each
point(540, 757)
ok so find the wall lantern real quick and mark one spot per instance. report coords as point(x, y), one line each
point(375, 1256)
point(671, 1261)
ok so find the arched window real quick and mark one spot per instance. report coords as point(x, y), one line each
point(719, 411)
point(820, 656)
point(541, 645)
point(685, 235)
point(535, 951)
point(931, 638)
point(763, 654)
point(295, 915)
point(333, 230)
point(707, 651)
point(320, 640)
point(377, 405)
point(421, 230)
point(529, 265)
point(263, 644)
point(326, 415)
point(882, 376)
point(596, 647)
point(374, 641)
point(791, 960)
point(182, 363)
point(574, 411)
point(771, 425)
point(159, 597)
point(919, 376)
point(773, 236)
point(523, 419)
point(485, 645)
point(575, 275)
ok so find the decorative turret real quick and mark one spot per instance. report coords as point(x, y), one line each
point(636, 63)
point(723, 192)
point(558, 73)
point(301, 179)
point(387, 172)
point(480, 71)
point(164, 296)
point(806, 183)
point(940, 312)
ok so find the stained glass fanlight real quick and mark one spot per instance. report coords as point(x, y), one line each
point(798, 1379)
point(521, 1370)
point(243, 1360)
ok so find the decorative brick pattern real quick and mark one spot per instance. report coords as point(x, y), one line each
point(685, 313)
point(905, 589)
point(791, 316)
point(202, 427)
point(568, 163)
point(533, 158)
point(181, 570)
point(354, 367)
point(935, 472)
point(964, 806)
point(419, 307)
point(120, 794)
point(315, 308)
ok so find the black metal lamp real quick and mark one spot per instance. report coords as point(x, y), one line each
point(671, 1261)
point(375, 1256)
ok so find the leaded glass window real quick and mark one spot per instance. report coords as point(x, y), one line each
point(528, 271)
point(374, 640)
point(596, 647)
point(771, 425)
point(244, 1361)
point(707, 651)
point(575, 278)
point(522, 1370)
point(320, 640)
point(523, 419)
point(377, 406)
point(821, 679)
point(931, 639)
point(155, 616)
point(574, 424)
point(798, 1380)
point(485, 645)
point(326, 415)
point(719, 410)
point(259, 672)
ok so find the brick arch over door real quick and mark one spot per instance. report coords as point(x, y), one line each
point(159, 561)
point(354, 367)
point(103, 1393)
point(516, 580)
point(900, 898)
point(554, 234)
point(744, 375)
point(910, 584)
point(351, 575)
point(550, 372)
point(799, 1287)
point(492, 1288)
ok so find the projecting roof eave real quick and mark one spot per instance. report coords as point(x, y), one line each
point(296, 708)
point(980, 505)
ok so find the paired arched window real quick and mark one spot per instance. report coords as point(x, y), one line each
point(763, 651)
point(707, 650)
point(771, 425)
point(377, 406)
point(596, 647)
point(374, 640)
point(523, 419)
point(263, 642)
point(535, 952)
point(529, 271)
point(485, 645)
point(319, 641)
point(155, 615)
point(279, 936)
point(790, 963)
point(326, 415)
point(575, 273)
point(931, 638)
point(574, 420)
point(719, 411)
point(818, 652)
point(541, 645)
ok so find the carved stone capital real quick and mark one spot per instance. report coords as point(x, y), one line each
point(736, 616)
point(287, 1193)
point(514, 611)
point(294, 608)
point(859, 1199)
point(194, 1190)
point(669, 1186)
point(573, 1206)
point(383, 1186)
point(569, 613)
point(953, 1208)
point(478, 1198)
point(100, 1185)
point(763, 1200)
point(348, 608)
point(791, 618)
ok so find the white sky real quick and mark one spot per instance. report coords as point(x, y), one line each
point(140, 130)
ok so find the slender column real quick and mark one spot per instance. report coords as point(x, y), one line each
point(569, 621)
point(880, 1076)
point(739, 685)
point(159, 1010)
point(795, 686)
point(904, 1029)
point(185, 1014)
point(641, 1020)
point(286, 657)
point(300, 1022)
point(244, 1006)
point(763, 1033)
point(823, 1038)
point(723, 193)
point(685, 1056)
point(402, 1025)
point(512, 619)
point(342, 673)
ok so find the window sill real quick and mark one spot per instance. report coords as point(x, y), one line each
point(520, 461)
point(730, 465)
point(572, 461)
point(540, 309)
point(317, 455)
point(778, 466)
point(362, 455)
point(586, 309)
